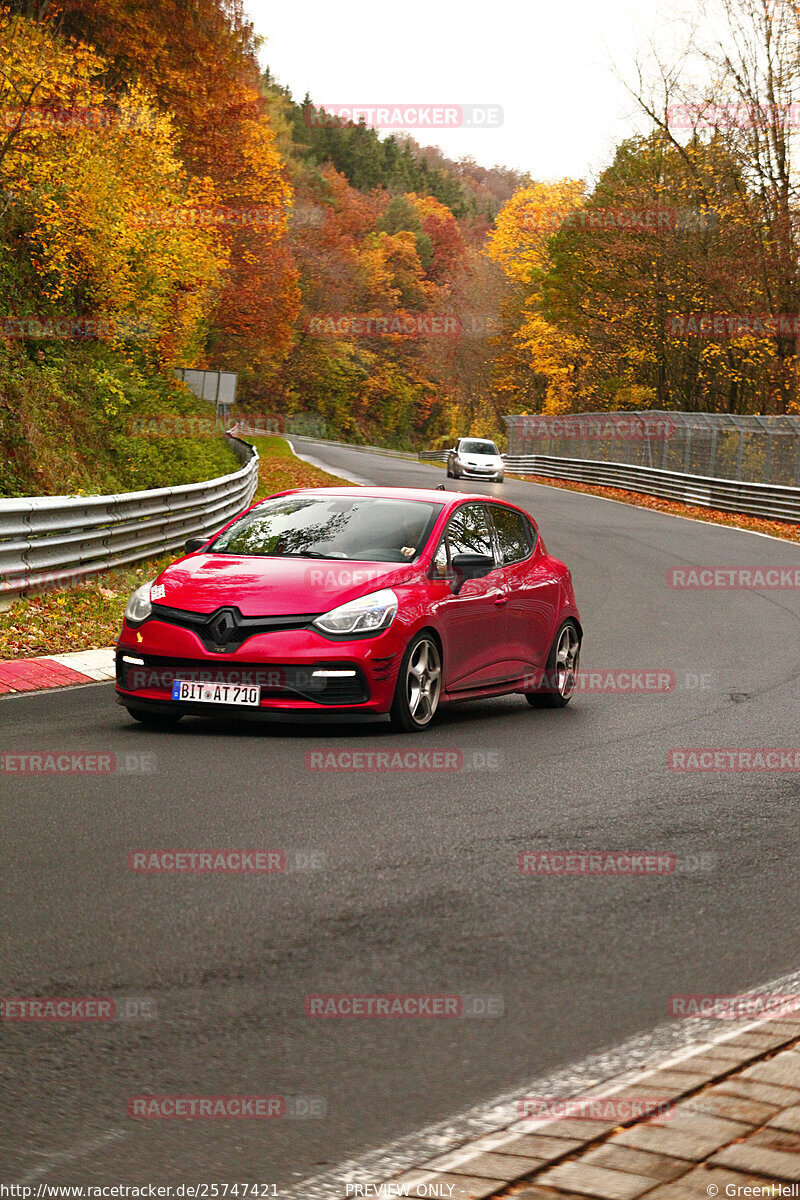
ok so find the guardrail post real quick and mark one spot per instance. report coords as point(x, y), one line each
point(712, 455)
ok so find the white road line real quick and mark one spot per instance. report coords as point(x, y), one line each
point(636, 1059)
point(59, 1158)
point(328, 467)
point(7, 697)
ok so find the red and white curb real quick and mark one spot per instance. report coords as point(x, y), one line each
point(482, 1152)
point(56, 671)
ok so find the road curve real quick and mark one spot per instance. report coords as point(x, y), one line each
point(420, 890)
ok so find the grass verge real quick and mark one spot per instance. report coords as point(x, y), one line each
point(90, 614)
point(75, 419)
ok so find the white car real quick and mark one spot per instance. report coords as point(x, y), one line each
point(475, 458)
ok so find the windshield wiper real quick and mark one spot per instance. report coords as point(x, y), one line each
point(306, 554)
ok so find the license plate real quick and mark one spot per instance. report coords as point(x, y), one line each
point(216, 693)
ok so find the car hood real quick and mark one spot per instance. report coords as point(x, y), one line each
point(278, 587)
point(483, 460)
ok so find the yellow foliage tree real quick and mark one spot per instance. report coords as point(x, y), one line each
point(535, 363)
point(102, 207)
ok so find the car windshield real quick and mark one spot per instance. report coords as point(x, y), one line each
point(367, 529)
point(472, 446)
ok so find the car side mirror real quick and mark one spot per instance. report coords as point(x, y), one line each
point(193, 544)
point(470, 566)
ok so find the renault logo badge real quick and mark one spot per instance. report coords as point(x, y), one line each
point(222, 626)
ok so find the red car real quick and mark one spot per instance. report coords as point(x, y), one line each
point(359, 602)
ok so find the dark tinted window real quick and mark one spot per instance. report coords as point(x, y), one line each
point(351, 527)
point(468, 531)
point(513, 534)
point(473, 446)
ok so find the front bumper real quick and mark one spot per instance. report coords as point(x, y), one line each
point(479, 472)
point(300, 673)
point(235, 712)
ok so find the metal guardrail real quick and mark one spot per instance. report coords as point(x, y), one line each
point(50, 541)
point(728, 495)
point(746, 447)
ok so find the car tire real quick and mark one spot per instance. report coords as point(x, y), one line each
point(449, 471)
point(155, 720)
point(500, 478)
point(419, 685)
point(560, 676)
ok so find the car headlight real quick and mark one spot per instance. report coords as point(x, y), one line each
point(367, 614)
point(138, 607)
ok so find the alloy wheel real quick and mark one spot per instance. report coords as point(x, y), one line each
point(566, 664)
point(423, 681)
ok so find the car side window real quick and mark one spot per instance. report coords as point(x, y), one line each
point(468, 531)
point(513, 534)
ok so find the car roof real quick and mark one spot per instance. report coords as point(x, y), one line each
point(429, 495)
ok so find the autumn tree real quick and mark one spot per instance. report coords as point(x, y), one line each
point(746, 104)
point(85, 176)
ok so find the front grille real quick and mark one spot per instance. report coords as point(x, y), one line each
point(240, 628)
point(276, 680)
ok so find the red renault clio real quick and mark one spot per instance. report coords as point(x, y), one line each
point(363, 602)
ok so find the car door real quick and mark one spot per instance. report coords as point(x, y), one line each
point(532, 589)
point(472, 620)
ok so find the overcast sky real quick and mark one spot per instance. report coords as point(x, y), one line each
point(547, 64)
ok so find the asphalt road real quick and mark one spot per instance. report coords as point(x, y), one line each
point(420, 890)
